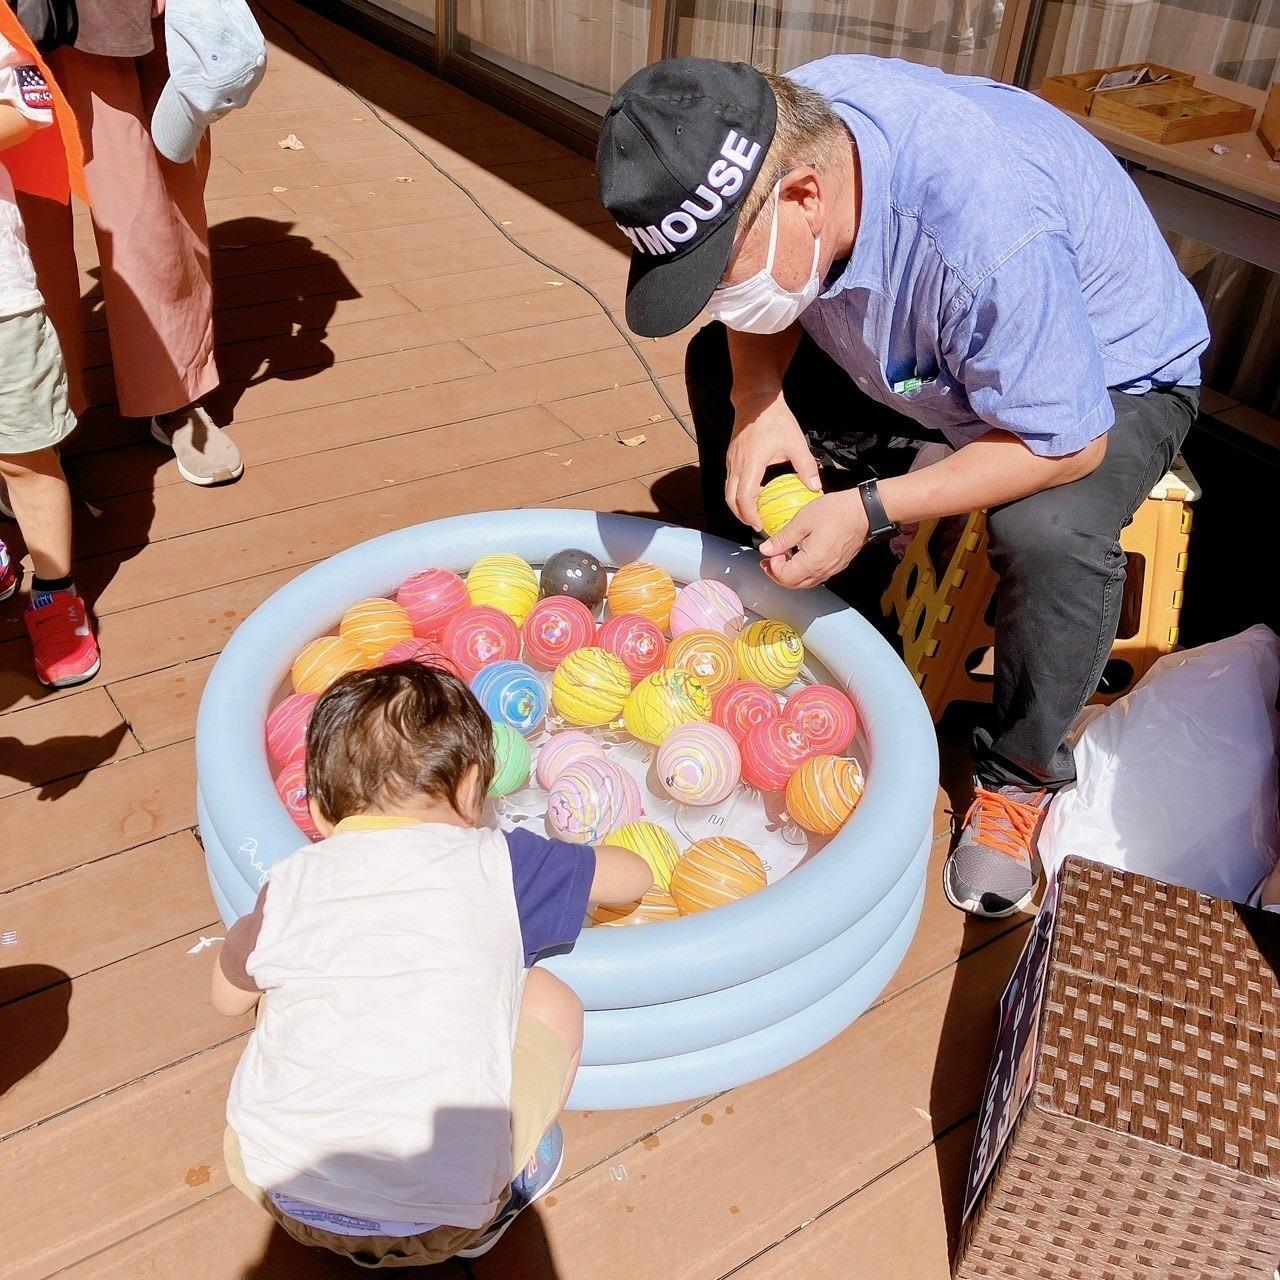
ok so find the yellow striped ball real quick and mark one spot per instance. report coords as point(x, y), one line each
point(590, 687)
point(654, 844)
point(710, 655)
point(376, 625)
point(656, 905)
point(323, 661)
point(663, 702)
point(715, 871)
point(778, 502)
point(504, 582)
point(823, 792)
point(645, 589)
point(771, 653)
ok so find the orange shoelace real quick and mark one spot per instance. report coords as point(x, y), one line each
point(1003, 824)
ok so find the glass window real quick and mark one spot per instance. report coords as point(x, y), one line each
point(422, 13)
point(1236, 39)
point(580, 50)
point(956, 35)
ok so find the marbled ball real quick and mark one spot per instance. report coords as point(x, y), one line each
point(663, 702)
point(654, 844)
point(561, 750)
point(590, 687)
point(556, 627)
point(504, 582)
point(645, 589)
point(511, 761)
point(637, 641)
point(770, 652)
point(478, 635)
point(287, 728)
point(707, 605)
point(699, 764)
point(575, 573)
point(714, 872)
point(322, 661)
point(656, 905)
point(710, 655)
point(823, 792)
point(427, 652)
point(826, 715)
point(431, 598)
point(512, 693)
point(779, 500)
point(589, 800)
point(291, 787)
point(742, 706)
point(772, 752)
point(375, 625)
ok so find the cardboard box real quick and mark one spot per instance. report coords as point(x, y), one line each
point(1173, 110)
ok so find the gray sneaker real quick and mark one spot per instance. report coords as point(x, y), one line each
point(993, 870)
point(206, 454)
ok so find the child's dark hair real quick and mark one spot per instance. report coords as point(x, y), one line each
point(393, 735)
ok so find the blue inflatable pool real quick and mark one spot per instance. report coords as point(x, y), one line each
point(694, 1005)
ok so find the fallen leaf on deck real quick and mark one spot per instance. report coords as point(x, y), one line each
point(567, 464)
point(632, 441)
point(291, 143)
point(278, 190)
point(922, 1113)
point(404, 179)
point(654, 417)
point(556, 284)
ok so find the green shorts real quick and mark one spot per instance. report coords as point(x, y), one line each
point(34, 413)
point(540, 1069)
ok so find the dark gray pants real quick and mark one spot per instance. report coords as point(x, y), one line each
point(1057, 553)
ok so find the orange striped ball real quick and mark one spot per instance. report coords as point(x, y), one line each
point(715, 871)
point(656, 905)
point(823, 792)
point(645, 589)
point(375, 625)
point(709, 655)
point(324, 660)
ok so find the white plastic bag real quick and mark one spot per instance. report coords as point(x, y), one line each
point(1177, 779)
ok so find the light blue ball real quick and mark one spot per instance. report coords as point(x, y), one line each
point(512, 693)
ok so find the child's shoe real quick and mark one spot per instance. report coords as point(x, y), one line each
point(66, 651)
point(535, 1180)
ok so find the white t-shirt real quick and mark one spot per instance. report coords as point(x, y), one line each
point(377, 1082)
point(21, 86)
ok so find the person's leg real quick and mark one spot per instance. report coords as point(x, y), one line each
point(1062, 572)
point(149, 221)
point(42, 506)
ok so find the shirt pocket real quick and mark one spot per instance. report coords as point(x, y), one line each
point(940, 402)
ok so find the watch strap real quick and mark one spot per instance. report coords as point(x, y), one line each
point(878, 522)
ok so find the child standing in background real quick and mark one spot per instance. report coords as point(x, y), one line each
point(34, 414)
point(397, 1100)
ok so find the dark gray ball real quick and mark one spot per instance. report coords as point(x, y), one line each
point(575, 573)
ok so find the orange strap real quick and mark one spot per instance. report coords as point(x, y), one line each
point(51, 162)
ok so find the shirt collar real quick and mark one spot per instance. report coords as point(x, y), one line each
point(866, 266)
point(373, 822)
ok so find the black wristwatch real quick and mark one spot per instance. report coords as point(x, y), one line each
point(880, 526)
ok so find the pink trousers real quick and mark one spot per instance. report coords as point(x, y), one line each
point(152, 234)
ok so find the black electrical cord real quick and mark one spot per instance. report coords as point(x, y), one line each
point(475, 200)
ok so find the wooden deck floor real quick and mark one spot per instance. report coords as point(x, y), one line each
point(389, 357)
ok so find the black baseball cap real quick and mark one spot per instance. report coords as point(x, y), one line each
point(681, 144)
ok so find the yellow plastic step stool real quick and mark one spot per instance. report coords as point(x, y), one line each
point(943, 593)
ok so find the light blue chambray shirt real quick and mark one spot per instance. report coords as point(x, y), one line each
point(1002, 255)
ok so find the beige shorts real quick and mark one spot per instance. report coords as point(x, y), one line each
point(539, 1076)
point(34, 413)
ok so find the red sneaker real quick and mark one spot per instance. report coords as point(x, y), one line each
point(8, 575)
point(62, 637)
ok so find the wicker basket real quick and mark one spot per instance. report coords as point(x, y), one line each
point(1141, 1034)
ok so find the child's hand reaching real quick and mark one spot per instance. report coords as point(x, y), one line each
point(621, 876)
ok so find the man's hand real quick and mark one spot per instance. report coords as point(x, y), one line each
point(765, 434)
point(825, 535)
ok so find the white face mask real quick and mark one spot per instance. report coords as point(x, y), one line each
point(760, 304)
